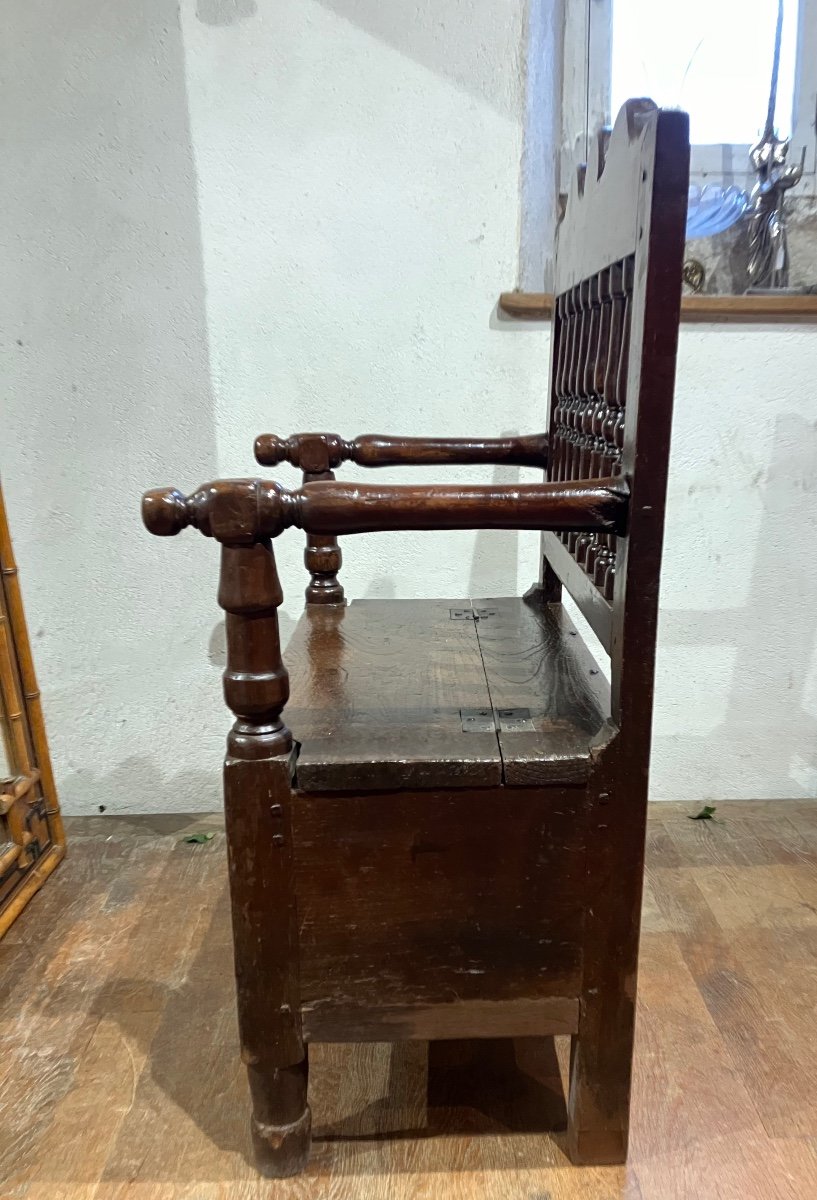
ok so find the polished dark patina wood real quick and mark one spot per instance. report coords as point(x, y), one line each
point(450, 843)
point(316, 454)
point(427, 910)
point(540, 673)
point(378, 450)
point(244, 509)
point(257, 797)
point(380, 715)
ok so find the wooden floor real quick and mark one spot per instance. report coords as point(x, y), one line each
point(120, 1077)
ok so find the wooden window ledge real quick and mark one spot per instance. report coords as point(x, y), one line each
point(538, 306)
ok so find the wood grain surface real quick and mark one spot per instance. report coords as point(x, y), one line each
point(534, 659)
point(321, 451)
point(236, 511)
point(120, 1077)
point(417, 882)
point(376, 691)
point(617, 277)
point(393, 915)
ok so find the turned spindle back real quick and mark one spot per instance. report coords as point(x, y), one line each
point(615, 326)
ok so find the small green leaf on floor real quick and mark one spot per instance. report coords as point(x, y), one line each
point(707, 813)
point(199, 837)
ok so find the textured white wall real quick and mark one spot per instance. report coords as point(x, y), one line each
point(358, 174)
point(220, 222)
point(736, 701)
point(252, 216)
point(736, 679)
point(106, 387)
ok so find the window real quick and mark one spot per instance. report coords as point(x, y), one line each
point(710, 57)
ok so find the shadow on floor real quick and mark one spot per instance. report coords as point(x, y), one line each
point(362, 1097)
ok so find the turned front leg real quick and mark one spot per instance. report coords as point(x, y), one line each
point(257, 773)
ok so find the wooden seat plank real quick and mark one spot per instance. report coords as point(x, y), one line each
point(376, 694)
point(535, 660)
point(384, 707)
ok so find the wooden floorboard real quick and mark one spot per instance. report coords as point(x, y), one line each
point(120, 1078)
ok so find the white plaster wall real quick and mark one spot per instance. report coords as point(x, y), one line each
point(736, 689)
point(106, 388)
point(242, 216)
point(218, 221)
point(736, 678)
point(358, 170)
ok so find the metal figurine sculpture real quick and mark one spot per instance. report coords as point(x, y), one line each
point(768, 244)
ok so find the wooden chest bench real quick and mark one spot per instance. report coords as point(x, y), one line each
point(436, 814)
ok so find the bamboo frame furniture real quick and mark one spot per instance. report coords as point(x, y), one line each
point(32, 841)
point(451, 844)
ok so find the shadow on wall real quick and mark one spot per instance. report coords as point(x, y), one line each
point(109, 388)
point(142, 785)
point(773, 647)
point(461, 42)
point(225, 12)
point(380, 587)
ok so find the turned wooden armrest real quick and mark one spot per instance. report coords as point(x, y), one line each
point(241, 511)
point(316, 453)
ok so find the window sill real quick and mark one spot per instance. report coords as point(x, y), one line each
point(538, 306)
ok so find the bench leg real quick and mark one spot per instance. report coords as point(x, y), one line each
point(257, 799)
point(281, 1120)
point(602, 1050)
point(266, 961)
point(600, 1069)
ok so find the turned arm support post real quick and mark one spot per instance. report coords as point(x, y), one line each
point(378, 450)
point(315, 454)
point(256, 682)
